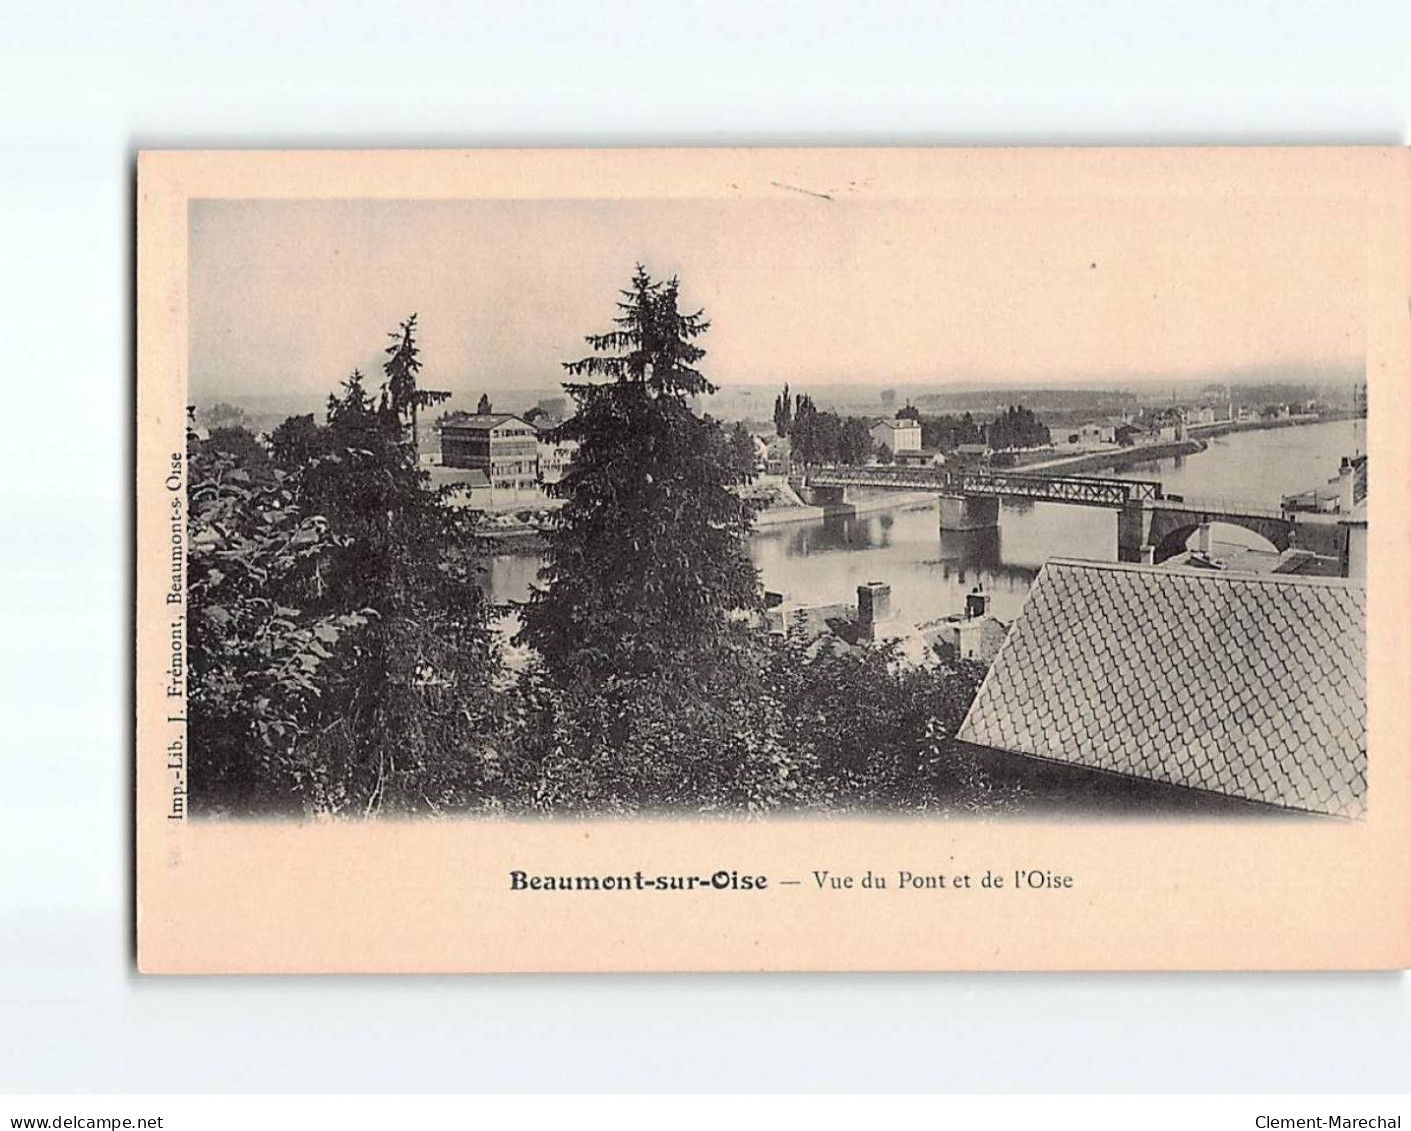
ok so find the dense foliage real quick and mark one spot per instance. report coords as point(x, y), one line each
point(344, 661)
point(648, 557)
point(783, 413)
point(826, 437)
point(1017, 427)
point(340, 648)
point(948, 432)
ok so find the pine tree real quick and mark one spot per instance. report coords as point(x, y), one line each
point(397, 715)
point(402, 394)
point(648, 559)
point(482, 406)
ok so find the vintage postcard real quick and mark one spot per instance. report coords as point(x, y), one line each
point(803, 559)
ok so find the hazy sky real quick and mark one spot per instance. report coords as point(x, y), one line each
point(288, 297)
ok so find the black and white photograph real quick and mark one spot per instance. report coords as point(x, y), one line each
point(816, 500)
point(706, 564)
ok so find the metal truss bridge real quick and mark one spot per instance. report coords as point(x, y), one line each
point(1080, 489)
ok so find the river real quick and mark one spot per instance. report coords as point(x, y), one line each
point(823, 561)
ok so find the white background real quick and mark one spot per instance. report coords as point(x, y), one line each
point(82, 86)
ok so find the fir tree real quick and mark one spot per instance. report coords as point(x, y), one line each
point(648, 559)
point(365, 581)
point(401, 393)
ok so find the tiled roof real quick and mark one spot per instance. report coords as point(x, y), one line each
point(1249, 685)
point(445, 476)
point(479, 421)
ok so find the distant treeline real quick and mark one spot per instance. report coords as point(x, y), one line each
point(828, 437)
point(984, 402)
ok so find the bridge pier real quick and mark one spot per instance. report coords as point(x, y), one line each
point(1314, 532)
point(824, 496)
point(1133, 531)
point(969, 512)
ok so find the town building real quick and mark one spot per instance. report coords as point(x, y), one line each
point(502, 445)
point(897, 435)
point(974, 634)
point(1354, 562)
point(1098, 432)
point(1247, 686)
point(760, 443)
point(839, 625)
point(921, 457)
point(777, 455)
point(970, 455)
point(1116, 430)
point(554, 456)
point(1340, 495)
point(1128, 433)
point(472, 486)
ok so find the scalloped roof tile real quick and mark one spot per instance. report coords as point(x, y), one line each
point(1252, 685)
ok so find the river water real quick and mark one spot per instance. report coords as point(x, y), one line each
point(824, 561)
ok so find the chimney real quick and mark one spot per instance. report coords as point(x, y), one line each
point(1148, 553)
point(1202, 537)
point(977, 603)
point(1347, 495)
point(874, 602)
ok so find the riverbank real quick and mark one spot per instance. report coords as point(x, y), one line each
point(1225, 427)
point(515, 540)
point(868, 504)
point(529, 540)
point(1117, 459)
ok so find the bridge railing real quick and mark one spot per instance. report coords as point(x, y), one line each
point(1058, 488)
point(1090, 490)
point(1082, 489)
point(1216, 505)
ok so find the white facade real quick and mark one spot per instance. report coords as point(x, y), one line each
point(897, 435)
point(554, 458)
point(1098, 432)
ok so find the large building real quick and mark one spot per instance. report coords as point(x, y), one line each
point(501, 445)
point(897, 435)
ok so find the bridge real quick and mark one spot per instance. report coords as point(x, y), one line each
point(1081, 489)
point(1151, 525)
point(1164, 526)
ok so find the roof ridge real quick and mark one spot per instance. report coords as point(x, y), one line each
point(1206, 574)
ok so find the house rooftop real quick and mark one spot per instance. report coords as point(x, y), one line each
point(1248, 685)
point(480, 421)
point(1231, 556)
point(472, 477)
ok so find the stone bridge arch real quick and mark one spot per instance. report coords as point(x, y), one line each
point(1171, 528)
